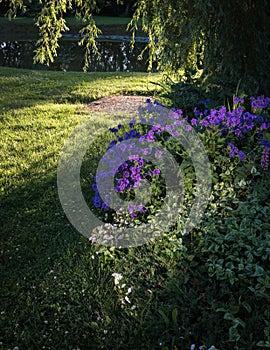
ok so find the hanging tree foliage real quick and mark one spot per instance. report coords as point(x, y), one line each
point(51, 24)
point(218, 37)
point(221, 37)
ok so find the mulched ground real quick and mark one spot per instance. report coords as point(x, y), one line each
point(121, 103)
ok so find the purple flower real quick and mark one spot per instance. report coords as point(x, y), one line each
point(114, 142)
point(141, 208)
point(156, 171)
point(158, 154)
point(150, 136)
point(234, 150)
point(169, 127)
point(97, 201)
point(113, 130)
point(197, 112)
point(146, 151)
point(123, 184)
point(265, 143)
point(179, 112)
point(175, 133)
point(260, 102)
point(157, 128)
point(241, 155)
point(265, 158)
point(205, 123)
point(137, 184)
point(140, 162)
point(137, 177)
point(264, 126)
point(122, 146)
point(133, 157)
point(105, 207)
point(134, 170)
point(124, 166)
point(236, 100)
point(131, 207)
point(194, 121)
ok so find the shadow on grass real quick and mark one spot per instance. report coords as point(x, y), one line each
point(47, 273)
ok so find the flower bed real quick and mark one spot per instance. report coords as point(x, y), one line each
point(239, 133)
point(217, 289)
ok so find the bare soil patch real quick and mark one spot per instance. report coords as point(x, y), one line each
point(121, 103)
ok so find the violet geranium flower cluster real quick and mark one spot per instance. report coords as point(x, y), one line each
point(135, 170)
point(236, 125)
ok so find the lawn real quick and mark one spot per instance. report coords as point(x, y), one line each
point(58, 290)
point(22, 28)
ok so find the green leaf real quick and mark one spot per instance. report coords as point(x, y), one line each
point(164, 317)
point(264, 344)
point(174, 316)
point(246, 306)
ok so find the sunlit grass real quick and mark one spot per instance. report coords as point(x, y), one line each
point(61, 289)
point(25, 87)
point(39, 109)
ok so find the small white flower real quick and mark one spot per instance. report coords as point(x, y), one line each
point(117, 277)
point(133, 307)
point(129, 290)
point(192, 347)
point(241, 183)
point(127, 299)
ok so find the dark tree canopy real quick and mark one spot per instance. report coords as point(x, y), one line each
point(216, 37)
point(223, 37)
